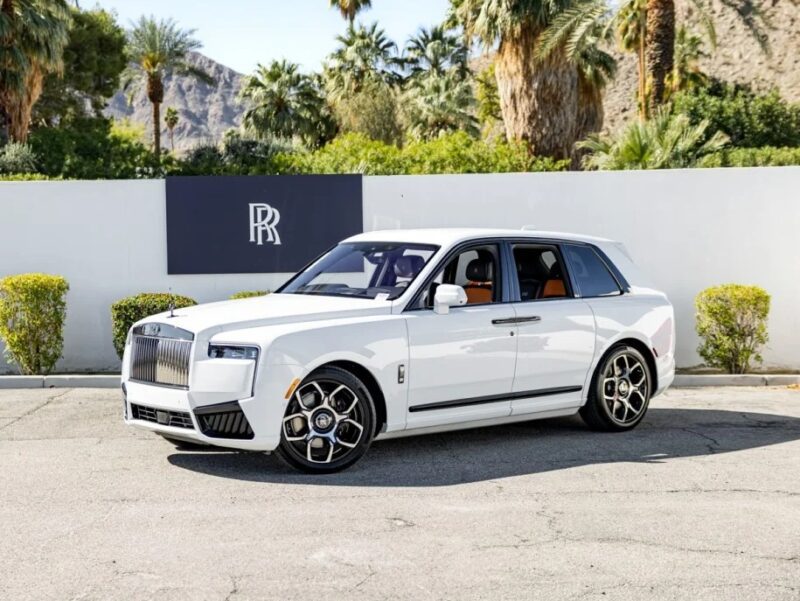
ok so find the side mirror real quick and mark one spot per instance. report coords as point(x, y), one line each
point(448, 295)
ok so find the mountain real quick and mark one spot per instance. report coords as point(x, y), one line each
point(206, 112)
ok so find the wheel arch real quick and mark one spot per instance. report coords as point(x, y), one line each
point(640, 346)
point(370, 381)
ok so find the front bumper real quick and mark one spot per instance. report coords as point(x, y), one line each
point(175, 413)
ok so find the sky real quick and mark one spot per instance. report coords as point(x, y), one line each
point(242, 33)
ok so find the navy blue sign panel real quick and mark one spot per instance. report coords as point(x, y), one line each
point(258, 224)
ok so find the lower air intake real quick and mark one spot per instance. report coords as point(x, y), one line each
point(176, 419)
point(226, 420)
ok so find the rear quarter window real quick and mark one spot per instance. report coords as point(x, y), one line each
point(590, 272)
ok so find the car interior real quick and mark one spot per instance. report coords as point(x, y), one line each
point(539, 272)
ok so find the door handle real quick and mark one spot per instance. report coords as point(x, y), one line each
point(516, 320)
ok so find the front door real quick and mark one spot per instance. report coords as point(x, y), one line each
point(461, 365)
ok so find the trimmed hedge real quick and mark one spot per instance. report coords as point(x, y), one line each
point(249, 294)
point(732, 323)
point(32, 312)
point(127, 311)
point(768, 156)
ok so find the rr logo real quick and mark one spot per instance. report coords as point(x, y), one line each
point(263, 218)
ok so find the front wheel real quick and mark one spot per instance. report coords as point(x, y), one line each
point(329, 422)
point(620, 393)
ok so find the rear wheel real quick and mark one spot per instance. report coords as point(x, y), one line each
point(620, 393)
point(329, 422)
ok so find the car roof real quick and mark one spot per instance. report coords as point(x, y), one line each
point(450, 236)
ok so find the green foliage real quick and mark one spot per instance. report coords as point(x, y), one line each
point(350, 8)
point(436, 51)
point(127, 311)
point(32, 313)
point(237, 155)
point(286, 104)
point(17, 158)
point(26, 177)
point(94, 60)
point(372, 112)
point(249, 294)
point(749, 119)
point(664, 142)
point(732, 323)
point(434, 105)
point(452, 153)
point(767, 156)
point(92, 148)
point(488, 98)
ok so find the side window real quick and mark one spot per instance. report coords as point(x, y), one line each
point(476, 270)
point(591, 274)
point(539, 272)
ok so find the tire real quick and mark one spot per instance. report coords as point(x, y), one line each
point(329, 422)
point(620, 391)
point(184, 444)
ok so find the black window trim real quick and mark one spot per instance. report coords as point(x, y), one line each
point(505, 287)
point(512, 268)
point(622, 285)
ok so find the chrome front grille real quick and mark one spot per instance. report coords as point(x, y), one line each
point(161, 360)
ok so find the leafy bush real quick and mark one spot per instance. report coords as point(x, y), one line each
point(664, 142)
point(732, 322)
point(749, 119)
point(767, 156)
point(93, 148)
point(237, 155)
point(452, 153)
point(32, 313)
point(26, 177)
point(127, 311)
point(17, 158)
point(249, 294)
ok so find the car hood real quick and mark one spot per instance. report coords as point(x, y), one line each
point(269, 310)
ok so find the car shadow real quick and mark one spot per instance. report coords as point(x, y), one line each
point(517, 449)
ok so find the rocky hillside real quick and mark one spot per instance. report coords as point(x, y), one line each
point(206, 112)
point(737, 57)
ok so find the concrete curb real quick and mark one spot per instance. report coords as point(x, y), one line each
point(72, 381)
point(696, 380)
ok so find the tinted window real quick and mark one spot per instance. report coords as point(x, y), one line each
point(590, 272)
point(476, 270)
point(539, 273)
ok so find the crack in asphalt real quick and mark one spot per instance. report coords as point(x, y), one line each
point(47, 401)
point(712, 448)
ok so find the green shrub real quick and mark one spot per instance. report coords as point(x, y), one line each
point(26, 177)
point(249, 294)
point(32, 313)
point(127, 311)
point(237, 155)
point(749, 119)
point(767, 156)
point(452, 153)
point(17, 158)
point(732, 322)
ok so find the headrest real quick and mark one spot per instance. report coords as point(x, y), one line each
point(408, 266)
point(480, 270)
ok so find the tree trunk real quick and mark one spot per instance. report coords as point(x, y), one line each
point(590, 109)
point(660, 47)
point(155, 93)
point(19, 105)
point(538, 98)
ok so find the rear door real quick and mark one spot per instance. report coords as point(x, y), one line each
point(556, 330)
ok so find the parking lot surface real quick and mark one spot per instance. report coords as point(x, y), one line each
point(702, 501)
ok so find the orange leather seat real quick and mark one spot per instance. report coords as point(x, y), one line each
point(480, 288)
point(554, 289)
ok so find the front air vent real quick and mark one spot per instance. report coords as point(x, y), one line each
point(175, 419)
point(226, 420)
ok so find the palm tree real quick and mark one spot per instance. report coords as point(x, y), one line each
point(350, 8)
point(286, 104)
point(159, 48)
point(171, 120)
point(582, 31)
point(436, 51)
point(686, 73)
point(539, 98)
point(438, 104)
point(664, 142)
point(33, 34)
point(364, 57)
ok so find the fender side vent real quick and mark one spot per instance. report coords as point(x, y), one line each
point(226, 420)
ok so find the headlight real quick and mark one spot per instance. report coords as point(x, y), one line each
point(224, 351)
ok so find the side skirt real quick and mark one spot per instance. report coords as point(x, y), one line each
point(482, 423)
point(495, 398)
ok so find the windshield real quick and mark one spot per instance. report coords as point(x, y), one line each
point(363, 270)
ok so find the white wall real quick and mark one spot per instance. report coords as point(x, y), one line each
point(687, 229)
